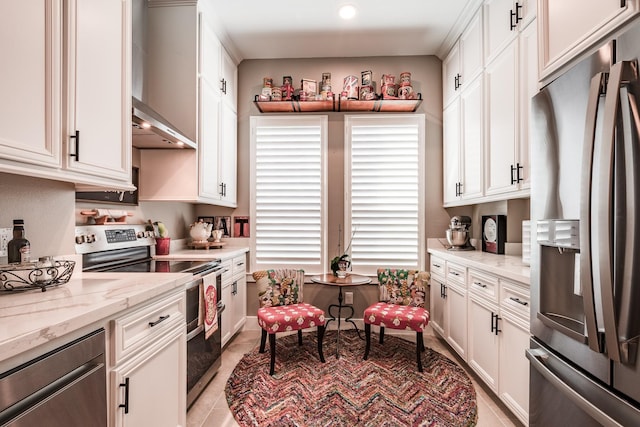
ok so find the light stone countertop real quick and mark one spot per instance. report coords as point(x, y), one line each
point(32, 318)
point(507, 266)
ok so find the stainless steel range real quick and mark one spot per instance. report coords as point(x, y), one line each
point(127, 248)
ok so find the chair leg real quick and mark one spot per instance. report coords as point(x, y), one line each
point(381, 334)
point(320, 337)
point(419, 349)
point(272, 345)
point(367, 335)
point(300, 337)
point(263, 340)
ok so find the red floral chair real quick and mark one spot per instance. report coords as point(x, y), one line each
point(282, 310)
point(400, 306)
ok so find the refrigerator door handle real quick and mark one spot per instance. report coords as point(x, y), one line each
point(621, 73)
point(539, 360)
point(594, 340)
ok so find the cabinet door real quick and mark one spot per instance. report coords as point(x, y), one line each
point(99, 98)
point(514, 366)
point(438, 306)
point(457, 321)
point(498, 29)
point(228, 156)
point(229, 80)
point(483, 342)
point(528, 86)
point(208, 144)
point(210, 53)
point(226, 320)
point(239, 295)
point(571, 26)
point(471, 51)
point(501, 133)
point(30, 87)
point(450, 73)
point(472, 140)
point(156, 385)
point(451, 152)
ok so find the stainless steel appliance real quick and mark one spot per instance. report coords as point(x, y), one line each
point(585, 274)
point(458, 234)
point(127, 248)
point(48, 389)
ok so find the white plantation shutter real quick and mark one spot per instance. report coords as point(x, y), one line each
point(288, 190)
point(384, 164)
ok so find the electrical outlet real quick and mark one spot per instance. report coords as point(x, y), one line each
point(6, 234)
point(348, 297)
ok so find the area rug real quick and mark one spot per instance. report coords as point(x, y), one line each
point(385, 390)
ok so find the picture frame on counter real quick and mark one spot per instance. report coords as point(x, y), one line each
point(241, 226)
point(223, 223)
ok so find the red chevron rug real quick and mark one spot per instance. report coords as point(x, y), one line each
point(385, 390)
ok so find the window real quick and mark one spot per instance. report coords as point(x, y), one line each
point(288, 191)
point(384, 168)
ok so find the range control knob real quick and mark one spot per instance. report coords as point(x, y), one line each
point(140, 234)
point(80, 239)
point(90, 238)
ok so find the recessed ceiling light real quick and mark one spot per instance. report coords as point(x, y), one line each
point(347, 11)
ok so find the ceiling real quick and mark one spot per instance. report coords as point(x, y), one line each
point(258, 29)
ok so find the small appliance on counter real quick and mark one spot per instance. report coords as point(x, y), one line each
point(458, 234)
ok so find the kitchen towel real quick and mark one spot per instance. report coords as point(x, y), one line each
point(210, 299)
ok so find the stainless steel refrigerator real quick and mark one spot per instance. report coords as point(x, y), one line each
point(585, 259)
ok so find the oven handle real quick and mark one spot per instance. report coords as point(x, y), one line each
point(221, 307)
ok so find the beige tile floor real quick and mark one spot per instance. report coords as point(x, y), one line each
point(211, 410)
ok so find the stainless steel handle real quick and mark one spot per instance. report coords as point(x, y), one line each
point(622, 73)
point(538, 359)
point(76, 139)
point(195, 332)
point(519, 301)
point(593, 339)
point(160, 320)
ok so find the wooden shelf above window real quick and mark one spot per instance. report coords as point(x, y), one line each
point(380, 105)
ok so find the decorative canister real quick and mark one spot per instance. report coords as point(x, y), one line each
point(326, 80)
point(351, 87)
point(405, 92)
point(287, 92)
point(405, 79)
point(309, 86)
point(267, 82)
point(287, 80)
point(276, 94)
point(265, 95)
point(388, 79)
point(389, 91)
point(367, 78)
point(365, 92)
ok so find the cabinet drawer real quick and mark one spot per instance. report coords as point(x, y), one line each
point(515, 298)
point(483, 285)
point(239, 265)
point(437, 266)
point(140, 327)
point(456, 274)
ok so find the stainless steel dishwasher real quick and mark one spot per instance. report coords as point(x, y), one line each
point(64, 387)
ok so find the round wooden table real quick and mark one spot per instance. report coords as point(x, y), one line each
point(350, 280)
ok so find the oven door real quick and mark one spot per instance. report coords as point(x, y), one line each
point(203, 355)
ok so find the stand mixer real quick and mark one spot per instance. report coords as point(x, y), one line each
point(458, 234)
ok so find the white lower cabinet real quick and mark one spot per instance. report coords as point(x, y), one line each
point(234, 296)
point(485, 319)
point(147, 378)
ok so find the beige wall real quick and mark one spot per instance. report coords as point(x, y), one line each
point(426, 73)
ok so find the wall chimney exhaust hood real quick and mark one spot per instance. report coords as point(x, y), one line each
point(149, 128)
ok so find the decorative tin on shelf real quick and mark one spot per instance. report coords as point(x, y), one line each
point(350, 86)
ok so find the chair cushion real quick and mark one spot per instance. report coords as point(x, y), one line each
point(290, 317)
point(279, 287)
point(397, 316)
point(402, 287)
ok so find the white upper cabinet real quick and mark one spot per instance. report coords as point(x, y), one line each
point(465, 60)
point(569, 28)
point(99, 95)
point(30, 87)
point(83, 47)
point(503, 20)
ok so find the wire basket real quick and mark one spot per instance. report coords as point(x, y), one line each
point(35, 275)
